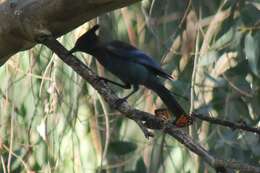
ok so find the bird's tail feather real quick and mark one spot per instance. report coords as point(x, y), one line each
point(166, 96)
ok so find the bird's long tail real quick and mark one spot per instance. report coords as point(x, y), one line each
point(166, 96)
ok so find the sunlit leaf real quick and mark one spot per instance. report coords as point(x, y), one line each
point(122, 147)
point(208, 59)
point(41, 129)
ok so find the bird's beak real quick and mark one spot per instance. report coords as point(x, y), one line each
point(74, 49)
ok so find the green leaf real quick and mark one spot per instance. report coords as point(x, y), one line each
point(250, 15)
point(224, 39)
point(140, 166)
point(121, 147)
point(208, 58)
point(230, 3)
point(252, 52)
point(23, 111)
point(236, 109)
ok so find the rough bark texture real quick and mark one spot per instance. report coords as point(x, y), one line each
point(22, 21)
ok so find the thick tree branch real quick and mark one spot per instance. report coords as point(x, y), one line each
point(24, 20)
point(137, 115)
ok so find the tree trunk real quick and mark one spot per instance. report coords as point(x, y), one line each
point(22, 21)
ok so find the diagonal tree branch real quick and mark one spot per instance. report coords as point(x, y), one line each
point(137, 115)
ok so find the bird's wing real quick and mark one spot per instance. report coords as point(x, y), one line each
point(130, 53)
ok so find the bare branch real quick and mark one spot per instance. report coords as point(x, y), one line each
point(232, 125)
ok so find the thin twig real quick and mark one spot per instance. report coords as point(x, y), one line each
point(11, 141)
point(107, 134)
point(3, 163)
point(45, 73)
point(242, 125)
point(194, 73)
point(27, 168)
point(236, 88)
point(192, 89)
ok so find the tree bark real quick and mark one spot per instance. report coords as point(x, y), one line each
point(22, 21)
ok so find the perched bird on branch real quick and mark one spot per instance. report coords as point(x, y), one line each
point(133, 67)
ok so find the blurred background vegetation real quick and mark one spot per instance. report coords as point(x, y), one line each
point(53, 121)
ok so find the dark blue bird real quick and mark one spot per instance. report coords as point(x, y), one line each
point(132, 66)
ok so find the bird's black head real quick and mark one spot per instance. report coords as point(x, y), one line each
point(87, 42)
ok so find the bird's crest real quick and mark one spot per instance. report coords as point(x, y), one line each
point(90, 32)
point(87, 41)
point(94, 28)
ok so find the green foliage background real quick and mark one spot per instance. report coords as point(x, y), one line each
point(53, 121)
